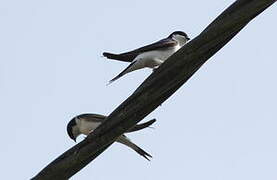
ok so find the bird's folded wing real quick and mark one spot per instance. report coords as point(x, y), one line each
point(141, 126)
point(131, 55)
point(93, 117)
point(159, 45)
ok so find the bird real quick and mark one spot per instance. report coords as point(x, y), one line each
point(86, 123)
point(152, 55)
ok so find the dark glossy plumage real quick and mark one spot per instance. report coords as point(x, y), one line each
point(131, 55)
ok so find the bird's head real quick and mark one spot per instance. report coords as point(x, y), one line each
point(72, 129)
point(179, 36)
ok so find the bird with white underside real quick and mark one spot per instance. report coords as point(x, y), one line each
point(151, 56)
point(86, 123)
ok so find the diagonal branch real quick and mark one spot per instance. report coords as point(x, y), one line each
point(159, 86)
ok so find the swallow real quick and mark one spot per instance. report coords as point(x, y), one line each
point(151, 56)
point(86, 123)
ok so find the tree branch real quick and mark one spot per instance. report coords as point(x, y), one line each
point(159, 86)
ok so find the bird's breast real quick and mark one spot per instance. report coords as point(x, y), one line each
point(148, 59)
point(159, 54)
point(86, 127)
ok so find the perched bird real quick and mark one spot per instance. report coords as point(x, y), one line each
point(150, 56)
point(86, 123)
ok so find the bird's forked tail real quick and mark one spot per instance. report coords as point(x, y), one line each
point(124, 140)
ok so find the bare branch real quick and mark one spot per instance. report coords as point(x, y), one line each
point(159, 86)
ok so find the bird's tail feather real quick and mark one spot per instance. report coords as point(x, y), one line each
point(125, 71)
point(142, 152)
point(124, 140)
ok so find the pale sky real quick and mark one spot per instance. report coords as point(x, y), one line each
point(221, 125)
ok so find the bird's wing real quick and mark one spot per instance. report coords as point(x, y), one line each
point(131, 55)
point(120, 57)
point(93, 117)
point(141, 126)
point(164, 43)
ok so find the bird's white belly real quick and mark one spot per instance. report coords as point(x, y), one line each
point(153, 59)
point(86, 127)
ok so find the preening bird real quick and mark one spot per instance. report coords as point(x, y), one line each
point(151, 56)
point(86, 123)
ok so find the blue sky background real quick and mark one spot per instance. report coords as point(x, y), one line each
point(220, 125)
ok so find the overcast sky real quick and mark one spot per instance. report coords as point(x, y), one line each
point(221, 125)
